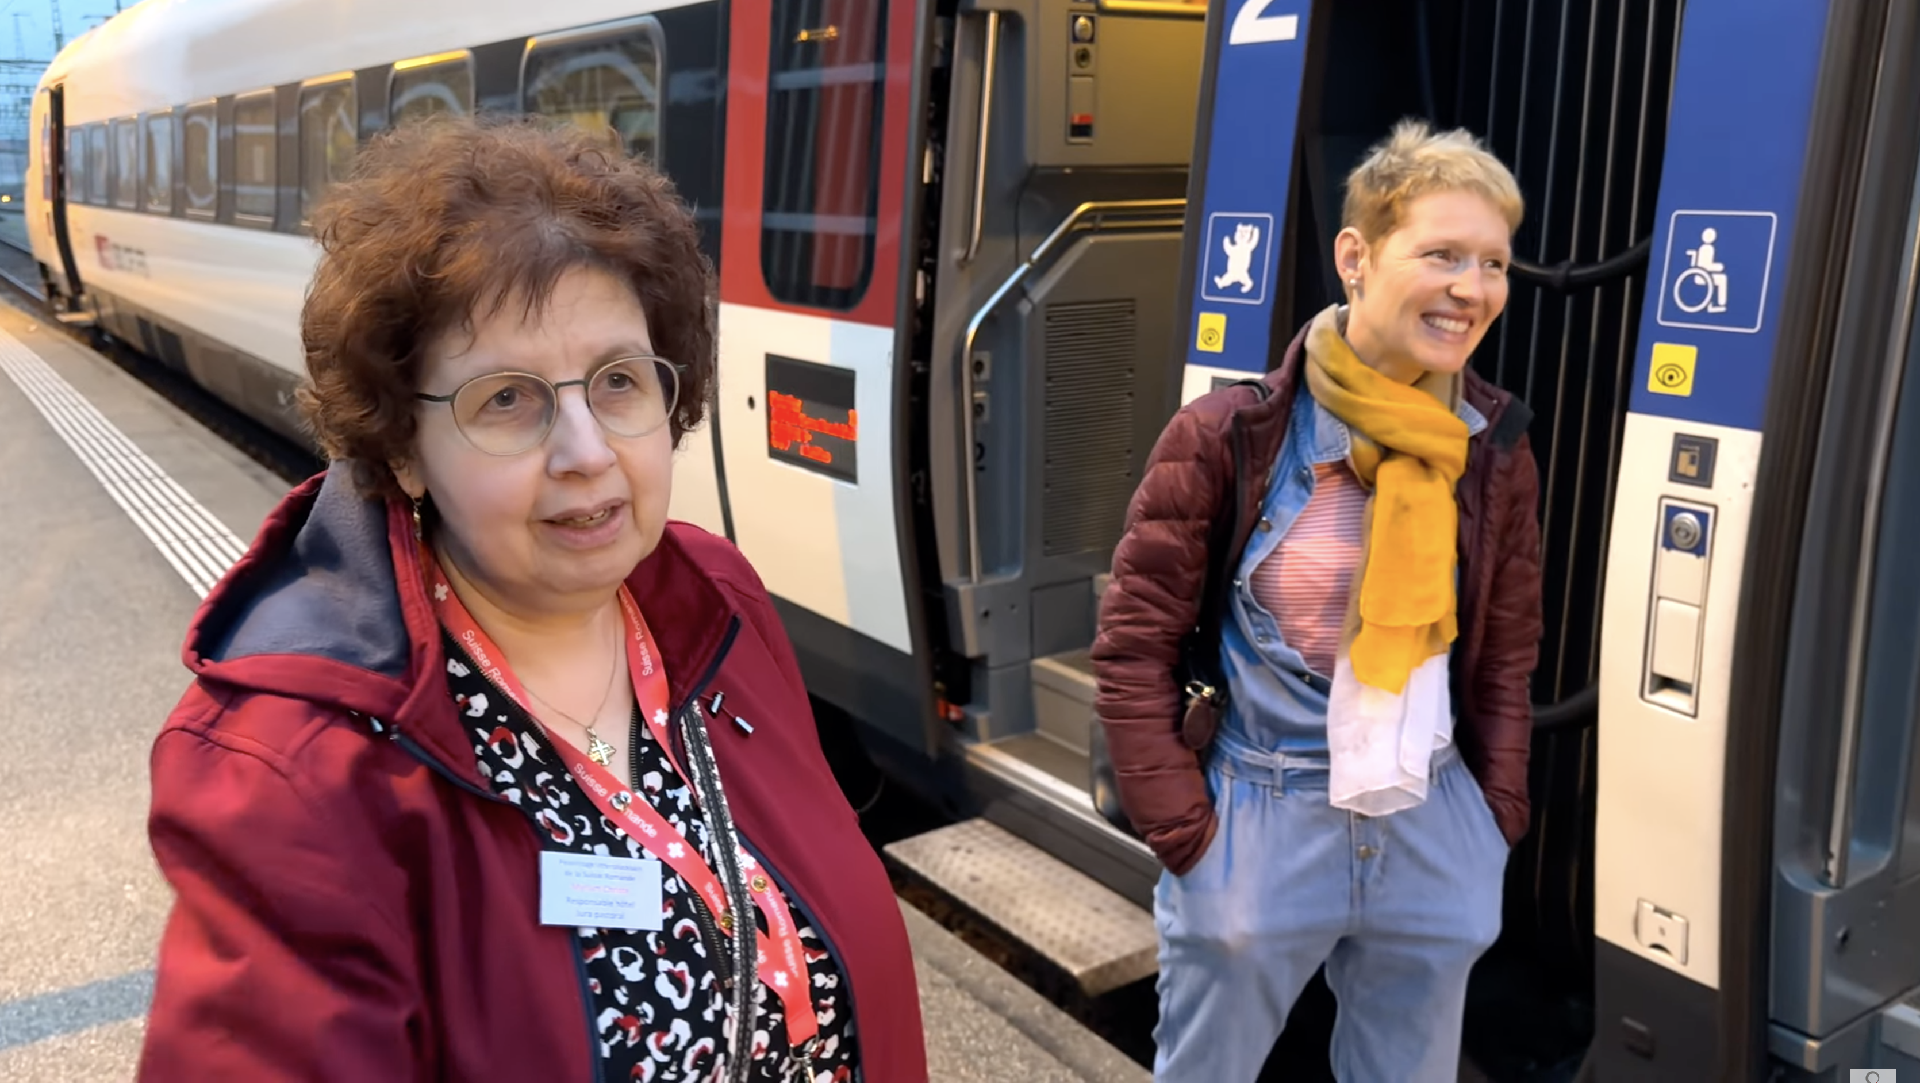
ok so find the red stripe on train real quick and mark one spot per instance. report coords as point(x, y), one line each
point(844, 153)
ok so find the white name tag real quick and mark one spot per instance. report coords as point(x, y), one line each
point(590, 891)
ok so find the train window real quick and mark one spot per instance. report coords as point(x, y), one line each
point(201, 159)
point(254, 138)
point(602, 79)
point(429, 85)
point(97, 164)
point(329, 138)
point(823, 143)
point(126, 163)
point(159, 172)
point(76, 165)
point(46, 155)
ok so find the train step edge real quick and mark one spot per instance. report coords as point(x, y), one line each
point(1099, 938)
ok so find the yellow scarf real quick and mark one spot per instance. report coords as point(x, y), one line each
point(1410, 449)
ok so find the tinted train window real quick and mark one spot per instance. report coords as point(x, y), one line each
point(328, 139)
point(423, 88)
point(823, 149)
point(97, 164)
point(201, 160)
point(76, 165)
point(159, 150)
point(253, 155)
point(126, 163)
point(601, 79)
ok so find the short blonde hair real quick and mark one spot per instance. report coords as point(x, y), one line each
point(1415, 161)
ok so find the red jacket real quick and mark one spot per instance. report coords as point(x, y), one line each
point(359, 907)
point(1161, 563)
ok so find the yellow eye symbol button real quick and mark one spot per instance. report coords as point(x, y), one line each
point(1672, 370)
point(1212, 336)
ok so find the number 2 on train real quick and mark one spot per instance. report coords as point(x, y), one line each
point(1253, 25)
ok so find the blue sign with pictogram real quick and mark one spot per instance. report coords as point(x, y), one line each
point(1239, 253)
point(1718, 267)
point(1258, 66)
point(1736, 152)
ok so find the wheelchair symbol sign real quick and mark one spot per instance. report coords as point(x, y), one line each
point(1717, 269)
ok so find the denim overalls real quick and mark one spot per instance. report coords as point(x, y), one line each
point(1398, 907)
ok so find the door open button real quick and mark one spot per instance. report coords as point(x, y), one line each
point(1676, 616)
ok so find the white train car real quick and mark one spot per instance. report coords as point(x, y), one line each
point(941, 602)
point(195, 134)
point(960, 291)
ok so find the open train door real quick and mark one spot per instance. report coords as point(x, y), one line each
point(1757, 881)
point(53, 200)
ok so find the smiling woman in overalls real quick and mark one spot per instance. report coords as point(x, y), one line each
point(1348, 793)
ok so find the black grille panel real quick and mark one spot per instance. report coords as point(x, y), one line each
point(1573, 97)
point(1087, 476)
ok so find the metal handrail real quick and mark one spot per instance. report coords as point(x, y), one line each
point(989, 64)
point(1098, 210)
point(1853, 691)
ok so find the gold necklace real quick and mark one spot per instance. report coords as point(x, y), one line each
point(598, 751)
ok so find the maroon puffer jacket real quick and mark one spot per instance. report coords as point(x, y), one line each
point(1160, 567)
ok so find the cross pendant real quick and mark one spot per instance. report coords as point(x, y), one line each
point(598, 751)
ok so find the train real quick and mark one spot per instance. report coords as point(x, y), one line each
point(960, 250)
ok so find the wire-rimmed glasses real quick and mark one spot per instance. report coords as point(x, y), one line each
point(506, 413)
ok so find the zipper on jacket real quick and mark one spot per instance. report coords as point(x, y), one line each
point(703, 917)
point(724, 833)
point(674, 737)
point(731, 857)
point(780, 881)
point(432, 762)
point(819, 930)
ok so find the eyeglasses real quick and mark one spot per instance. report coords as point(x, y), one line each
point(506, 413)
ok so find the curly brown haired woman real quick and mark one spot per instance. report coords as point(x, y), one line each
point(489, 770)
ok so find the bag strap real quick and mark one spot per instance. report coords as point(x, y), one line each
point(1203, 651)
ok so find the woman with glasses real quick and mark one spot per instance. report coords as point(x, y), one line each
point(490, 770)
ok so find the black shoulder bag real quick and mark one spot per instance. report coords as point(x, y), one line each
point(1203, 687)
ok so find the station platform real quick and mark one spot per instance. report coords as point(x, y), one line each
point(120, 512)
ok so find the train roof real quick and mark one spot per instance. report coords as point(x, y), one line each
point(161, 53)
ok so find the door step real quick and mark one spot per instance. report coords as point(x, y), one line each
point(81, 320)
point(1900, 1029)
point(1093, 934)
point(1063, 692)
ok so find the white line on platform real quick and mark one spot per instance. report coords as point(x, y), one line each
point(198, 545)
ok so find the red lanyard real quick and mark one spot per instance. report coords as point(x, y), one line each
point(785, 972)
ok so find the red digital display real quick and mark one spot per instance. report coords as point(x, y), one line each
point(792, 428)
point(811, 421)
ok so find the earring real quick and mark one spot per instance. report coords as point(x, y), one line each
point(419, 533)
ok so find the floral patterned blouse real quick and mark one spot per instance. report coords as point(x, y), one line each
point(657, 1004)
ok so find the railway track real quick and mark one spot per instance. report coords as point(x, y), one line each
point(286, 460)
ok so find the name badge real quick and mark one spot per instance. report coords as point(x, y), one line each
point(590, 891)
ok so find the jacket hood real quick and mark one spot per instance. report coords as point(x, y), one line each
point(328, 606)
point(312, 610)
